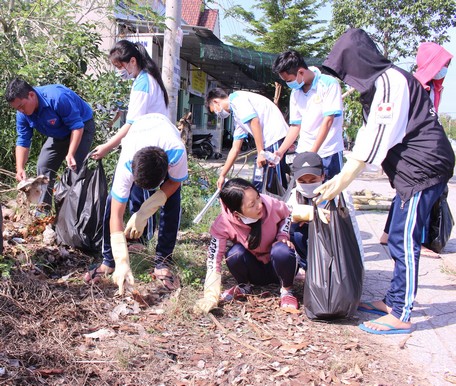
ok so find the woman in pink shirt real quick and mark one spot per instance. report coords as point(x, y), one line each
point(432, 62)
point(258, 226)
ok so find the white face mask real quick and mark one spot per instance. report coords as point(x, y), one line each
point(222, 113)
point(307, 189)
point(247, 220)
point(441, 74)
point(123, 74)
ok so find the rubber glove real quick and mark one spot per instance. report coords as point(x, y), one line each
point(305, 213)
point(339, 182)
point(122, 273)
point(137, 223)
point(212, 290)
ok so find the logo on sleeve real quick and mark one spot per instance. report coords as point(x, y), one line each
point(52, 121)
point(384, 114)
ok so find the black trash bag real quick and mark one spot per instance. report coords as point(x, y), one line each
point(62, 188)
point(440, 225)
point(80, 219)
point(335, 271)
point(272, 186)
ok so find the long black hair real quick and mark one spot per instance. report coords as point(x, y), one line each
point(232, 195)
point(124, 50)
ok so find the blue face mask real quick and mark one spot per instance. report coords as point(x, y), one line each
point(294, 85)
point(441, 74)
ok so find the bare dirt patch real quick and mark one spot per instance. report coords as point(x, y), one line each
point(56, 330)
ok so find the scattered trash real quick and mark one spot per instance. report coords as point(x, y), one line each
point(32, 187)
point(100, 334)
point(49, 236)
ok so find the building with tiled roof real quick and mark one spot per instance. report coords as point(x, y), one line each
point(195, 13)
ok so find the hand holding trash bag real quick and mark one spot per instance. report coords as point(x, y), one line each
point(137, 223)
point(122, 274)
point(339, 182)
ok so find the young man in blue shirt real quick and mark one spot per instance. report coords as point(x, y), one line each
point(61, 115)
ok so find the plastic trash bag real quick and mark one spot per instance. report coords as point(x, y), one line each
point(80, 218)
point(335, 271)
point(441, 223)
point(272, 186)
point(62, 188)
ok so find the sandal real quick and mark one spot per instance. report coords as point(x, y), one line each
point(167, 278)
point(94, 275)
point(288, 301)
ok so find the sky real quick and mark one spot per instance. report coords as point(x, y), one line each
point(448, 102)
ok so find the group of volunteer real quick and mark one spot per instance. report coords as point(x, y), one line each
point(261, 239)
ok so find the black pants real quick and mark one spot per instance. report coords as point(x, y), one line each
point(53, 154)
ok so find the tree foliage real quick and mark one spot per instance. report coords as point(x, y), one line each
point(282, 25)
point(47, 42)
point(396, 26)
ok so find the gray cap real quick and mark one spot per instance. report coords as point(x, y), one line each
point(307, 163)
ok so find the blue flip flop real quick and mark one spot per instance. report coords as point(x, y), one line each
point(392, 329)
point(371, 310)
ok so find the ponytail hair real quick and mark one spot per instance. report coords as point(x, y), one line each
point(124, 50)
point(232, 195)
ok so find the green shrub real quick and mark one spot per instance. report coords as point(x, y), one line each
point(196, 190)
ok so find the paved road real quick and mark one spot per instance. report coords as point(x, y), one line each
point(432, 346)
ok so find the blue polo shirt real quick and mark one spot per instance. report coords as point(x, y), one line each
point(60, 110)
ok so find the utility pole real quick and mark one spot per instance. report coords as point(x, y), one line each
point(171, 53)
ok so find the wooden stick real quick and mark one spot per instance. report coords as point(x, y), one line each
point(278, 91)
point(371, 207)
point(377, 198)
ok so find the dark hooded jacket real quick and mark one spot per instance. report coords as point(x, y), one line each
point(414, 151)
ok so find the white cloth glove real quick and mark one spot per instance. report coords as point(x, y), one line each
point(122, 273)
point(305, 213)
point(339, 182)
point(212, 290)
point(137, 223)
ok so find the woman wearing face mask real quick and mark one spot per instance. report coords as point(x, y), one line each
point(261, 254)
point(432, 64)
point(148, 95)
point(308, 171)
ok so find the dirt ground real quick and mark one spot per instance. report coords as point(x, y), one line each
point(57, 330)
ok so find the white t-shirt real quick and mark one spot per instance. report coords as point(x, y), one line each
point(149, 130)
point(309, 109)
point(247, 105)
point(146, 97)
